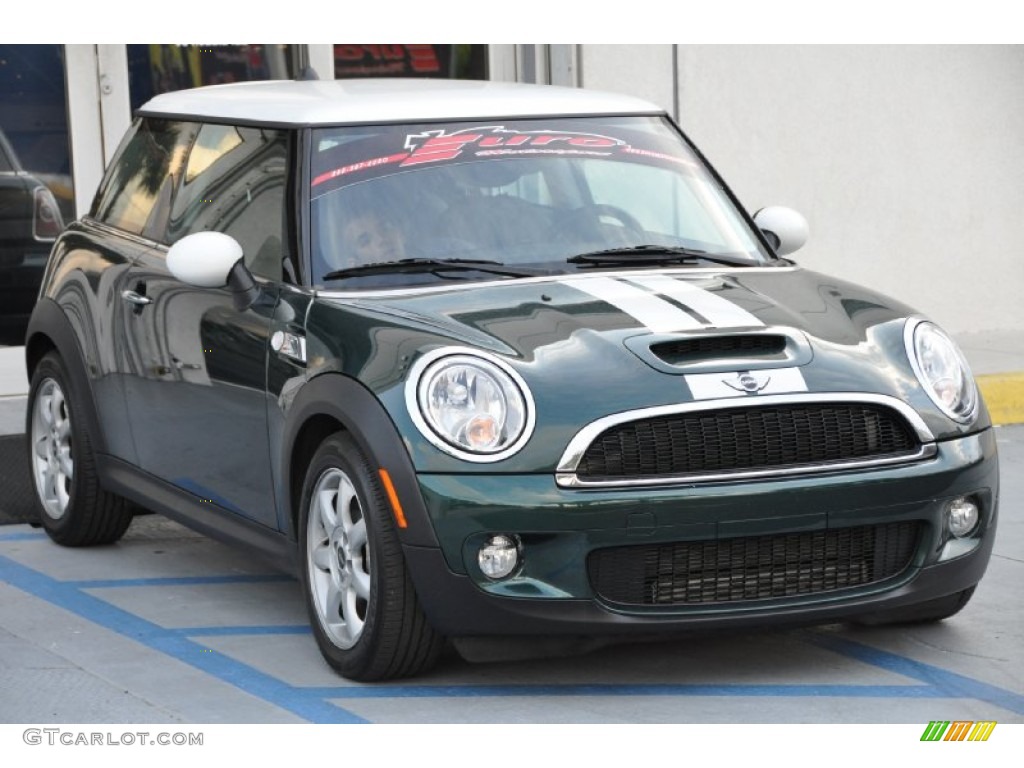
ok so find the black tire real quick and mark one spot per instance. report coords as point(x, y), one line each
point(922, 613)
point(71, 505)
point(362, 605)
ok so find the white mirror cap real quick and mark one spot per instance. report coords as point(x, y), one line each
point(789, 226)
point(204, 259)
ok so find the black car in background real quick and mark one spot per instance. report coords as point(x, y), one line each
point(30, 221)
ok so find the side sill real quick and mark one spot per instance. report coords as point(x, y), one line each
point(210, 520)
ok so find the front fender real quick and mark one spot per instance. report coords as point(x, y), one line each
point(350, 404)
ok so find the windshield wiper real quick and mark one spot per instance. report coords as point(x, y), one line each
point(646, 255)
point(431, 265)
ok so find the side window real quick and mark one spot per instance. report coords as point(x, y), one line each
point(135, 194)
point(234, 182)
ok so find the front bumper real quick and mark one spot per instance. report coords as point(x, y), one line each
point(552, 592)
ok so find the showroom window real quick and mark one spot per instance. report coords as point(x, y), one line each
point(156, 69)
point(34, 117)
point(460, 62)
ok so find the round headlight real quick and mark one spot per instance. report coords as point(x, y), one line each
point(473, 407)
point(941, 368)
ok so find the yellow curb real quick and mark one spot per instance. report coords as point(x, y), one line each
point(1004, 396)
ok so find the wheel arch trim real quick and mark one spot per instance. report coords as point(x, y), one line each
point(50, 329)
point(333, 397)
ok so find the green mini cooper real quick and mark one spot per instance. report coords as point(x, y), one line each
point(481, 360)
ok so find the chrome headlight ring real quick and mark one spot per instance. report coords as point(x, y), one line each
point(941, 369)
point(470, 404)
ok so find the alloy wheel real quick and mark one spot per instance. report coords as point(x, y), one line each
point(338, 558)
point(52, 460)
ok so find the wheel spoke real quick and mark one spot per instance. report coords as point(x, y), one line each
point(334, 605)
point(350, 610)
point(64, 461)
point(361, 583)
point(346, 494)
point(50, 482)
point(42, 446)
point(322, 556)
point(357, 537)
point(45, 409)
point(325, 509)
point(56, 408)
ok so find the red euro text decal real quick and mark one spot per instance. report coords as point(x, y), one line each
point(438, 146)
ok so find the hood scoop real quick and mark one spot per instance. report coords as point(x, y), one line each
point(703, 348)
point(722, 351)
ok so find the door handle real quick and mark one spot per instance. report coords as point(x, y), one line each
point(136, 298)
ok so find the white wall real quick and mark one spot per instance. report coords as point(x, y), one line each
point(908, 161)
point(644, 71)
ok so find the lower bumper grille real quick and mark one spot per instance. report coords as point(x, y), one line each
point(752, 568)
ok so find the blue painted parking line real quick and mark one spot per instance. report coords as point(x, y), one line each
point(224, 668)
point(22, 536)
point(177, 581)
point(954, 686)
point(313, 703)
point(386, 691)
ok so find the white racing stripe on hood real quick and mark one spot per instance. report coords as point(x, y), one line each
point(721, 313)
point(642, 299)
point(657, 314)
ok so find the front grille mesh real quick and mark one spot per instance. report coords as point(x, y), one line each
point(751, 438)
point(752, 568)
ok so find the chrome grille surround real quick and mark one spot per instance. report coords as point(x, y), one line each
point(566, 474)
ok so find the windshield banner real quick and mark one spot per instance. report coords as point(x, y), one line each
point(495, 141)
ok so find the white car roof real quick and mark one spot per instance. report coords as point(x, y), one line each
point(340, 102)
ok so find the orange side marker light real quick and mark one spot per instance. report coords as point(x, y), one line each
point(396, 505)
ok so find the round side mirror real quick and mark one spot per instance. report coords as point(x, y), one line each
point(204, 259)
point(785, 228)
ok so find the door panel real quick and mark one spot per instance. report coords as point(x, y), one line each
point(197, 395)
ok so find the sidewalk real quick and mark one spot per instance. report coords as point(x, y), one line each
point(997, 361)
point(13, 381)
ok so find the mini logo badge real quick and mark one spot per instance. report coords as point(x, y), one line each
point(747, 382)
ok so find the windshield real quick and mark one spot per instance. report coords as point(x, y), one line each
point(531, 194)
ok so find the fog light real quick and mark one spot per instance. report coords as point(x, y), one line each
point(962, 517)
point(499, 556)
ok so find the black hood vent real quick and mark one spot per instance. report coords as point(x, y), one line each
point(722, 350)
point(687, 351)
